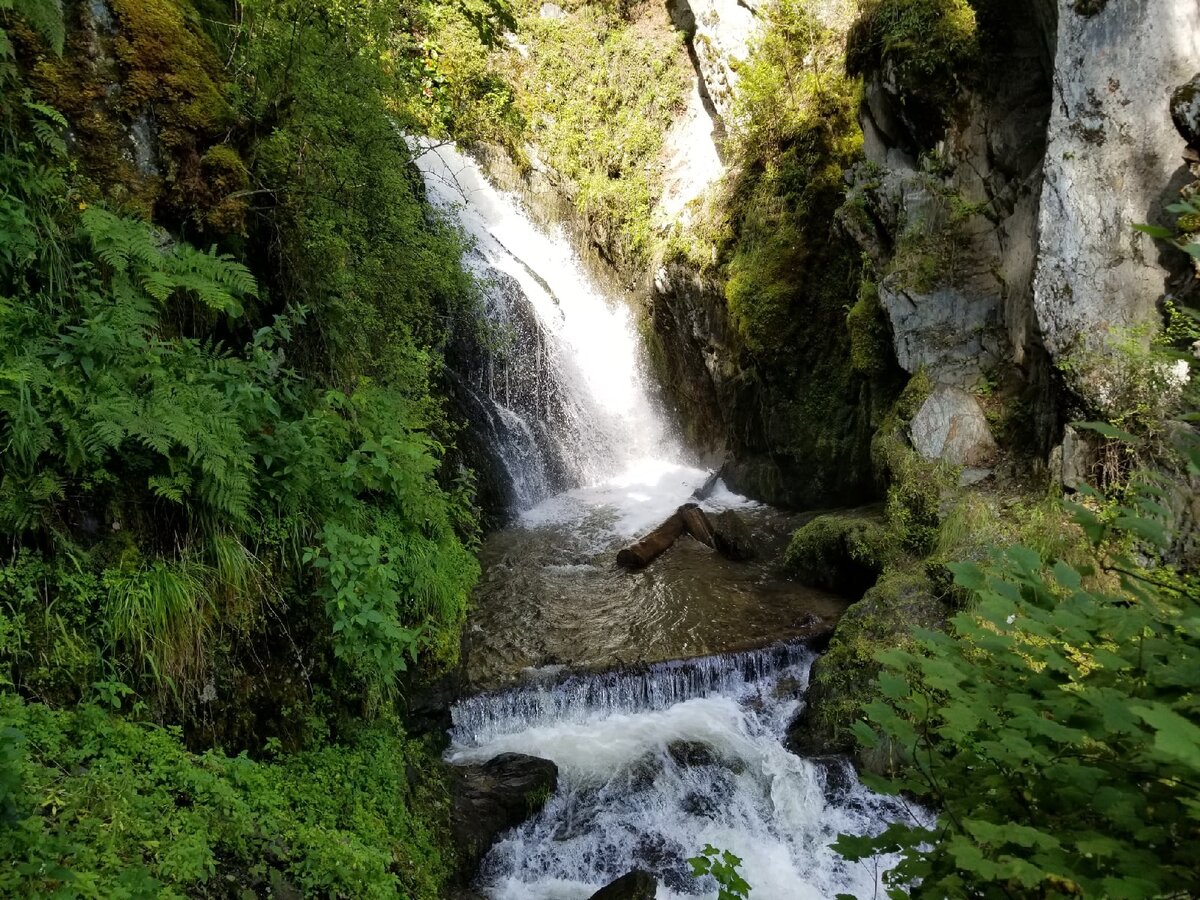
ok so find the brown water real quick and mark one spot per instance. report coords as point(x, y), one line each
point(551, 594)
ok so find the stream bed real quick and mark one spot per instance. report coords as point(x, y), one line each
point(663, 695)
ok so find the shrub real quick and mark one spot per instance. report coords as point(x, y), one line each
point(1055, 728)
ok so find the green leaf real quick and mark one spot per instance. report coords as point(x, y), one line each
point(1175, 736)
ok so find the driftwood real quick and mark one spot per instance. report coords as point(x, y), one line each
point(696, 523)
point(653, 545)
point(688, 519)
point(705, 490)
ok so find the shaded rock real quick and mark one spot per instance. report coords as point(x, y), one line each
point(1185, 110)
point(951, 426)
point(489, 799)
point(635, 885)
point(841, 553)
point(733, 538)
point(1078, 459)
point(843, 679)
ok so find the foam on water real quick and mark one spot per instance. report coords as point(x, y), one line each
point(656, 763)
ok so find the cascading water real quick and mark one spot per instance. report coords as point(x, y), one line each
point(655, 765)
point(659, 755)
point(566, 379)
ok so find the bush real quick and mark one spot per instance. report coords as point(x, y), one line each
point(1055, 729)
point(924, 47)
point(91, 805)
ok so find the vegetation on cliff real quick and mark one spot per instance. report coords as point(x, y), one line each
point(226, 517)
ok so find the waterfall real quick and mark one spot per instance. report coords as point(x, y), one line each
point(654, 764)
point(563, 374)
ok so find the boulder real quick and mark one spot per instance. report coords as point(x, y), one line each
point(1185, 110)
point(951, 426)
point(733, 538)
point(1078, 459)
point(491, 798)
point(635, 885)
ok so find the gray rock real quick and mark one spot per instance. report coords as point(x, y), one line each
point(1185, 110)
point(489, 799)
point(950, 333)
point(951, 426)
point(635, 885)
point(720, 33)
point(1078, 457)
point(1113, 159)
point(552, 11)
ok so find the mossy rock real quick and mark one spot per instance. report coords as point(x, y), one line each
point(842, 553)
point(843, 680)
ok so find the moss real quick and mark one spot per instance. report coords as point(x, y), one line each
point(225, 178)
point(843, 553)
point(926, 47)
point(870, 332)
point(843, 680)
point(159, 67)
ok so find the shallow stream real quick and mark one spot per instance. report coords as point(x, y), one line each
point(662, 695)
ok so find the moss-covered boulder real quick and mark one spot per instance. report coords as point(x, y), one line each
point(843, 680)
point(841, 553)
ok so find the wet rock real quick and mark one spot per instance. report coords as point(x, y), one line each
point(635, 885)
point(1185, 110)
point(837, 776)
point(691, 753)
point(951, 426)
point(733, 538)
point(490, 798)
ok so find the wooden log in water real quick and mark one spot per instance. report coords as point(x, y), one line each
point(705, 490)
point(653, 545)
point(696, 523)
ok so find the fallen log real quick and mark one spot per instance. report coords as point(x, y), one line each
point(653, 545)
point(696, 523)
point(705, 490)
point(688, 519)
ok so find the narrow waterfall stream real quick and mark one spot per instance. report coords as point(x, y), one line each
point(663, 696)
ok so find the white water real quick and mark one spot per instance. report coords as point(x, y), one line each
point(656, 764)
point(657, 761)
point(610, 424)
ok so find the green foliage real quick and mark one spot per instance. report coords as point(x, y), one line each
point(723, 867)
point(925, 47)
point(598, 93)
point(795, 133)
point(92, 805)
point(870, 332)
point(1055, 728)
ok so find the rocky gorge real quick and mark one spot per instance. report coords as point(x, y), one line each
point(607, 450)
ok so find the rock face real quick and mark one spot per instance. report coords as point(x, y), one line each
point(718, 33)
point(1112, 160)
point(950, 426)
point(636, 885)
point(491, 798)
